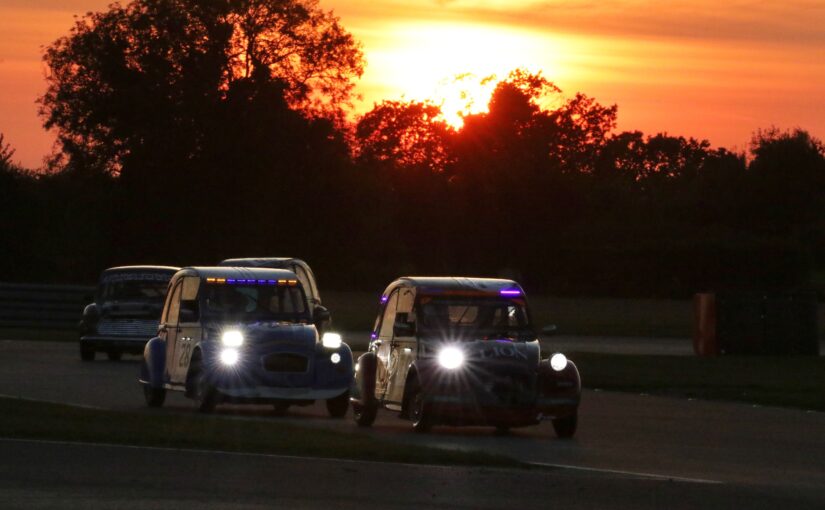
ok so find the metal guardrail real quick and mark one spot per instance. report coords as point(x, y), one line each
point(54, 307)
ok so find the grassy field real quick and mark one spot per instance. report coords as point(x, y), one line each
point(797, 382)
point(38, 420)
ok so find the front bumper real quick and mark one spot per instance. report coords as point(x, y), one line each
point(267, 393)
point(250, 381)
point(101, 343)
point(452, 409)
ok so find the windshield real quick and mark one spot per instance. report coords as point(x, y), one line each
point(250, 303)
point(134, 290)
point(472, 317)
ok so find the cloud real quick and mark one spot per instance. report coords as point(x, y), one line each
point(796, 22)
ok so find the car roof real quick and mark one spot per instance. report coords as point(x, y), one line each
point(124, 269)
point(257, 273)
point(457, 284)
point(272, 262)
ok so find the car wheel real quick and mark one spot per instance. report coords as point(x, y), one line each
point(114, 355)
point(337, 406)
point(154, 396)
point(364, 414)
point(280, 408)
point(86, 353)
point(204, 394)
point(419, 412)
point(566, 427)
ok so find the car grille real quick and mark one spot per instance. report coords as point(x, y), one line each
point(128, 327)
point(285, 363)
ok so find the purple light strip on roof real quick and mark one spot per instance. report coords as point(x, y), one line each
point(510, 292)
point(233, 281)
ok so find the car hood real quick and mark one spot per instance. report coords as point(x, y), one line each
point(130, 309)
point(494, 352)
point(299, 336)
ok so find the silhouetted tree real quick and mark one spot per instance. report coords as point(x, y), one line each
point(6, 153)
point(146, 78)
point(788, 174)
point(406, 136)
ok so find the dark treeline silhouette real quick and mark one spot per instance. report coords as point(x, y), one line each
point(193, 131)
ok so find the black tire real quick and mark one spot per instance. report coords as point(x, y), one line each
point(337, 406)
point(203, 393)
point(419, 413)
point(87, 353)
point(365, 414)
point(114, 355)
point(280, 408)
point(154, 396)
point(566, 427)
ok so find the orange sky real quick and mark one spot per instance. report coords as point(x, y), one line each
point(712, 69)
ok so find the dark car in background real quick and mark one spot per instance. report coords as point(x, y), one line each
point(301, 269)
point(125, 312)
point(244, 335)
point(462, 351)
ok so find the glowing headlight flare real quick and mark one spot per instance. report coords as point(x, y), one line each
point(451, 358)
point(558, 362)
point(229, 356)
point(232, 338)
point(335, 358)
point(331, 340)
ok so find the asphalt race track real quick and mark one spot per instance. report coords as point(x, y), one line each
point(631, 451)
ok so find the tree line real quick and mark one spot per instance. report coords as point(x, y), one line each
point(192, 131)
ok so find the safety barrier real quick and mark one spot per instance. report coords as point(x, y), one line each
point(53, 307)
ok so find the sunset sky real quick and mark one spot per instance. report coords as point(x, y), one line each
point(711, 69)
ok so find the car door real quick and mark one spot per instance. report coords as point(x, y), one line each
point(402, 346)
point(383, 344)
point(189, 327)
point(170, 329)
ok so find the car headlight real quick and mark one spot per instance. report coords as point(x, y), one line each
point(229, 356)
point(232, 338)
point(558, 362)
point(331, 340)
point(451, 358)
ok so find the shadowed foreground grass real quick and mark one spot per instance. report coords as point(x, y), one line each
point(795, 381)
point(38, 420)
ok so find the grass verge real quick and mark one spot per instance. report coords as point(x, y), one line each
point(38, 420)
point(797, 382)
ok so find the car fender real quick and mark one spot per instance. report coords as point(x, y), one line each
point(363, 386)
point(566, 382)
point(154, 362)
point(329, 374)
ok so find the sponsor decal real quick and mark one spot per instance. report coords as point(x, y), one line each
point(132, 277)
point(503, 351)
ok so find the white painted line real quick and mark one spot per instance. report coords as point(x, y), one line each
point(651, 476)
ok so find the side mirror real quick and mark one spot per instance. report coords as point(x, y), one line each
point(321, 315)
point(403, 329)
point(549, 330)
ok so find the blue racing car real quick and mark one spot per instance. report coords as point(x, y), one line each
point(244, 335)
